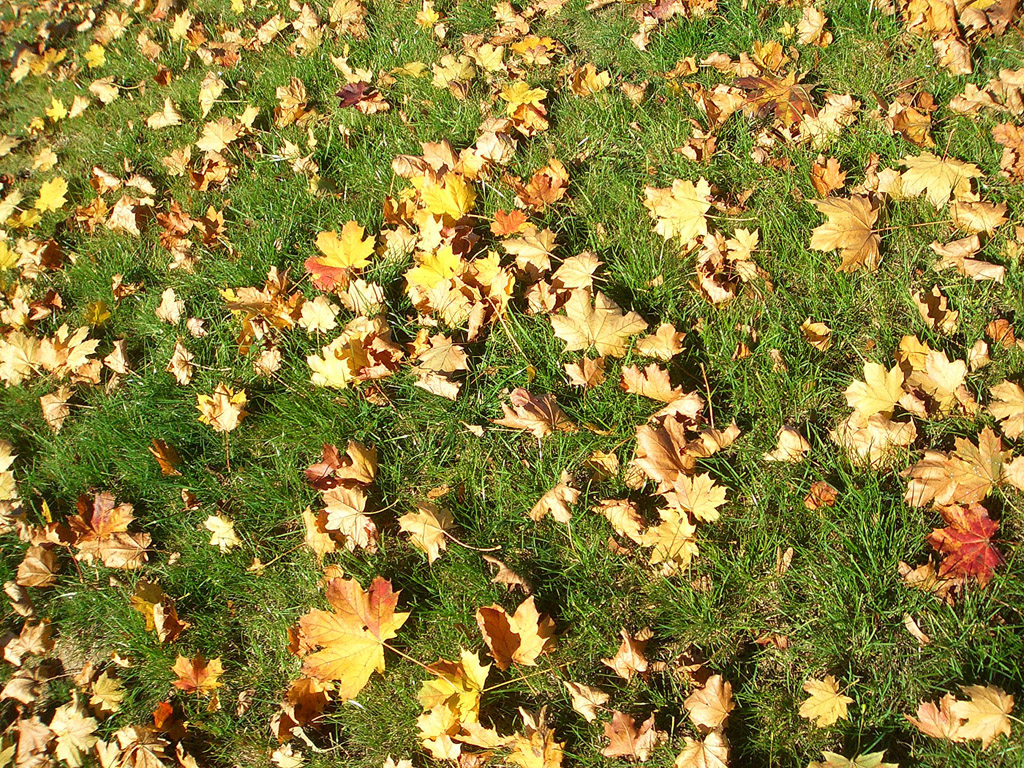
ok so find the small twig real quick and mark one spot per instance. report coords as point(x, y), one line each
point(407, 657)
point(523, 678)
point(288, 552)
point(508, 332)
point(467, 546)
point(707, 388)
point(912, 226)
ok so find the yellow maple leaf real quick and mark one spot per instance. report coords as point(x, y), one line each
point(674, 541)
point(937, 178)
point(74, 732)
point(223, 532)
point(453, 197)
point(826, 704)
point(986, 715)
point(224, 409)
point(96, 56)
point(849, 229)
point(698, 495)
point(878, 393)
point(52, 195)
point(426, 527)
point(519, 93)
point(457, 686)
point(56, 111)
point(433, 268)
point(601, 326)
point(680, 209)
point(348, 250)
point(352, 637)
point(710, 706)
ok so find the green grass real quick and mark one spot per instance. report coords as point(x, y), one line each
point(841, 604)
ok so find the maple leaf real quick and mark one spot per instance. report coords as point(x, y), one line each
point(159, 611)
point(507, 576)
point(358, 465)
point(222, 532)
point(626, 740)
point(849, 229)
point(587, 81)
point(664, 344)
point(785, 98)
point(345, 513)
point(679, 210)
point(713, 752)
point(986, 715)
point(180, 364)
point(100, 530)
point(452, 197)
point(834, 760)
point(698, 495)
point(826, 704)
point(519, 638)
point(937, 178)
point(673, 541)
point(652, 382)
point(827, 176)
point(304, 701)
point(966, 543)
point(224, 409)
point(353, 635)
point(166, 456)
point(586, 699)
point(602, 326)
point(74, 733)
point(623, 515)
point(629, 659)
point(341, 253)
point(197, 675)
point(457, 686)
point(1008, 407)
point(426, 527)
point(317, 537)
point(878, 393)
point(38, 568)
point(107, 695)
point(709, 706)
point(938, 721)
point(557, 501)
point(536, 747)
point(52, 195)
point(791, 446)
point(546, 187)
point(540, 414)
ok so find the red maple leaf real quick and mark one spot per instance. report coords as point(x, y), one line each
point(966, 543)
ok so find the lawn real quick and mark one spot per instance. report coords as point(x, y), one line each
point(518, 384)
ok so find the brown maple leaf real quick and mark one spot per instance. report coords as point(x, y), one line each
point(519, 638)
point(358, 465)
point(197, 675)
point(538, 414)
point(629, 659)
point(100, 531)
point(626, 740)
point(785, 98)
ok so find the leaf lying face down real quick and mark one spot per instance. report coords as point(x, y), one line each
point(519, 638)
point(538, 414)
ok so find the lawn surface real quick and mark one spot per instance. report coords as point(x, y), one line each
point(314, 105)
